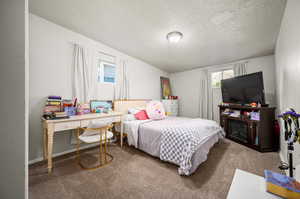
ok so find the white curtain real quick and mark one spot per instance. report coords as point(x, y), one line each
point(240, 69)
point(122, 83)
point(210, 97)
point(205, 101)
point(85, 74)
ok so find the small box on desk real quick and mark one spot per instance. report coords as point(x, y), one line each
point(282, 185)
point(70, 110)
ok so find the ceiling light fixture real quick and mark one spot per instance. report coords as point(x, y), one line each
point(174, 37)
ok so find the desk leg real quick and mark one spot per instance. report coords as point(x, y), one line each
point(45, 143)
point(50, 146)
point(121, 134)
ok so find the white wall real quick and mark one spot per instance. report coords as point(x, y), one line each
point(287, 58)
point(186, 84)
point(13, 100)
point(51, 55)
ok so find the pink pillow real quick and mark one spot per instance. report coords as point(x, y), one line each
point(142, 115)
point(155, 110)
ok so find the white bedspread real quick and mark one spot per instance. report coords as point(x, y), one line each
point(132, 130)
point(149, 135)
point(180, 142)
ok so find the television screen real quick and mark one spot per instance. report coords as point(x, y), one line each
point(244, 89)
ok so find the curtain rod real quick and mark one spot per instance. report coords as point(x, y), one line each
point(110, 55)
point(106, 54)
point(223, 65)
point(216, 66)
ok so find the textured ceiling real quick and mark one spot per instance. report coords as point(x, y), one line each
point(215, 31)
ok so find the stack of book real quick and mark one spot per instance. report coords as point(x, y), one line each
point(235, 113)
point(53, 108)
point(227, 111)
point(60, 115)
point(53, 104)
point(54, 101)
point(83, 109)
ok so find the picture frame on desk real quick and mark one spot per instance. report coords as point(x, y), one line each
point(99, 106)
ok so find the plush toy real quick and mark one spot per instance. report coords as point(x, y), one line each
point(155, 110)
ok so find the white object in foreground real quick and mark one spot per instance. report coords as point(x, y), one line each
point(248, 186)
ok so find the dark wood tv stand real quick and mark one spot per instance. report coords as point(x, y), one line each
point(256, 134)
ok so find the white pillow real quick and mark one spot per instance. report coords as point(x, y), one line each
point(155, 110)
point(129, 117)
point(135, 110)
point(96, 124)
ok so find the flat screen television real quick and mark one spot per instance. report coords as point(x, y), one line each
point(244, 89)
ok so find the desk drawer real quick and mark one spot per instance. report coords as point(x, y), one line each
point(66, 126)
point(117, 119)
point(84, 123)
point(109, 119)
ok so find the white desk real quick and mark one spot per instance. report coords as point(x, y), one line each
point(52, 126)
point(248, 186)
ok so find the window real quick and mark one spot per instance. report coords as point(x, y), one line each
point(216, 77)
point(106, 72)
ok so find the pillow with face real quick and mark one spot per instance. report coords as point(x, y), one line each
point(155, 110)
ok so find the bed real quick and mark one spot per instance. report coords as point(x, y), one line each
point(179, 140)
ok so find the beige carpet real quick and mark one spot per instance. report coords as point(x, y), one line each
point(134, 174)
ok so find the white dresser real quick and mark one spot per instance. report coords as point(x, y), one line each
point(171, 107)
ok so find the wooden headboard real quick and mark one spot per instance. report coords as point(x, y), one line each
point(124, 105)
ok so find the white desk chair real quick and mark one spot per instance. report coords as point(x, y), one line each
point(95, 132)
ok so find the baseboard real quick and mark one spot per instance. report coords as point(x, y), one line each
point(30, 162)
